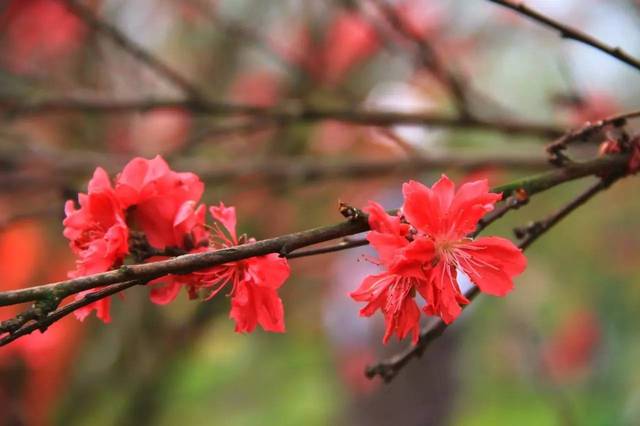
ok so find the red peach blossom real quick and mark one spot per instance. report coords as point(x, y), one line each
point(38, 32)
point(98, 236)
point(159, 195)
point(254, 281)
point(425, 247)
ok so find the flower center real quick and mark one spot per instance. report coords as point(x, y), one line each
point(446, 249)
point(93, 232)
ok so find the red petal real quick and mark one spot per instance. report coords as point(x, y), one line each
point(494, 261)
point(380, 221)
point(472, 201)
point(422, 207)
point(388, 246)
point(403, 322)
point(226, 216)
point(500, 252)
point(165, 292)
point(444, 189)
point(268, 271)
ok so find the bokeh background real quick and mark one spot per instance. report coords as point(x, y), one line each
point(561, 349)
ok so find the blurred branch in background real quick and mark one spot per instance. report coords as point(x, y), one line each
point(150, 60)
point(282, 114)
point(570, 33)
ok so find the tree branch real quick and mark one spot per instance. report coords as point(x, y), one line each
point(570, 33)
point(44, 320)
point(291, 113)
point(584, 132)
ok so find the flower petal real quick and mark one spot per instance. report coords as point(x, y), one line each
point(491, 263)
point(226, 216)
point(164, 290)
point(422, 207)
point(471, 202)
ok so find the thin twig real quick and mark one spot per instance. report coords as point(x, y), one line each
point(537, 229)
point(584, 132)
point(427, 56)
point(569, 32)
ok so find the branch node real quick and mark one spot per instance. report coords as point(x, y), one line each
point(351, 213)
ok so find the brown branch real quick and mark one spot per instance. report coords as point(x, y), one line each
point(290, 113)
point(570, 33)
point(537, 229)
point(343, 245)
point(584, 133)
point(43, 319)
point(297, 169)
point(390, 367)
point(285, 244)
point(118, 38)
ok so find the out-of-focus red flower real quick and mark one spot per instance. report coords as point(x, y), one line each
point(165, 202)
point(591, 107)
point(21, 246)
point(97, 231)
point(352, 363)
point(42, 358)
point(569, 351)
point(423, 249)
point(610, 146)
point(254, 281)
point(260, 88)
point(98, 236)
point(421, 18)
point(38, 32)
point(161, 131)
point(350, 39)
point(634, 161)
point(333, 137)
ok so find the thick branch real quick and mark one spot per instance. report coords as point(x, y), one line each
point(570, 33)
